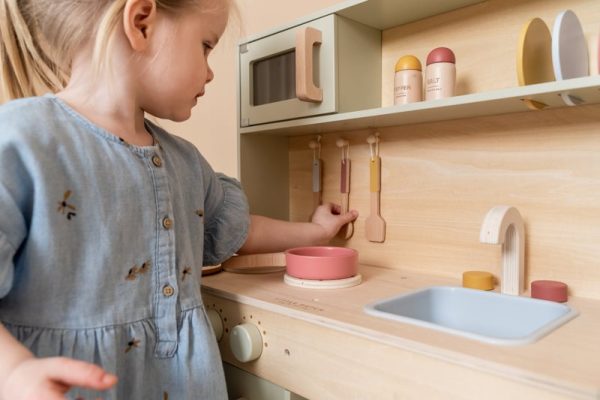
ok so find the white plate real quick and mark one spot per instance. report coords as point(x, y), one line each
point(570, 58)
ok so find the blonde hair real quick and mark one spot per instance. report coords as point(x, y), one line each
point(39, 38)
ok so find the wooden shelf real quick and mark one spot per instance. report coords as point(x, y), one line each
point(385, 14)
point(380, 14)
point(502, 101)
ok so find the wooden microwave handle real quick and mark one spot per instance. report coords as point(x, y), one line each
point(305, 88)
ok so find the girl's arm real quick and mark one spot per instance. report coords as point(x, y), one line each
point(22, 376)
point(270, 235)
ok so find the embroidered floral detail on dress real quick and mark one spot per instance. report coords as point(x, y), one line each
point(186, 271)
point(64, 207)
point(135, 271)
point(200, 213)
point(131, 344)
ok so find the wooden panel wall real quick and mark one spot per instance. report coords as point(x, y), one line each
point(440, 179)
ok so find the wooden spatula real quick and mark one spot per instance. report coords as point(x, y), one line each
point(375, 225)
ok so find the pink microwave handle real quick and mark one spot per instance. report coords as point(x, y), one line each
point(305, 88)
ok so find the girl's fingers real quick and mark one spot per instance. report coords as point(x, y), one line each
point(349, 216)
point(78, 373)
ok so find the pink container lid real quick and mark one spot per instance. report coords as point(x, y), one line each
point(549, 290)
point(441, 55)
point(321, 262)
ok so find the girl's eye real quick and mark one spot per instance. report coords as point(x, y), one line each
point(207, 47)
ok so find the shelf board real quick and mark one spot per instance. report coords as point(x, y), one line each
point(379, 14)
point(502, 101)
point(385, 14)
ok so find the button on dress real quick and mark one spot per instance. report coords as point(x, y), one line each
point(101, 249)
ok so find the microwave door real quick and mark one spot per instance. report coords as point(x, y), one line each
point(289, 74)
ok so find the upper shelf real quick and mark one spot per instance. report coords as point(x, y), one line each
point(385, 14)
point(380, 14)
point(503, 101)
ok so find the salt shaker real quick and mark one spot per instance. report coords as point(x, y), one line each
point(408, 80)
point(440, 74)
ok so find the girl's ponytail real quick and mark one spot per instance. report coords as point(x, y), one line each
point(24, 66)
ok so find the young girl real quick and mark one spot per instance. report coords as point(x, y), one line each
point(105, 218)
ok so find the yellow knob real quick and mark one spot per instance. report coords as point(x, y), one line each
point(478, 280)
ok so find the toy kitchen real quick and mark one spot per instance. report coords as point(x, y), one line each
point(467, 135)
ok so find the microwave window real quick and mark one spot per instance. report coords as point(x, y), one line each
point(274, 79)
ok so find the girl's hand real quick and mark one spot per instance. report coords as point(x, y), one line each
point(51, 378)
point(328, 217)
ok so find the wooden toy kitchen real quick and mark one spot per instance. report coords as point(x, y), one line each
point(424, 175)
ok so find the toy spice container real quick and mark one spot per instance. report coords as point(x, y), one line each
point(549, 290)
point(440, 74)
point(408, 80)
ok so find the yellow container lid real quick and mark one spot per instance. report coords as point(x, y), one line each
point(408, 62)
point(478, 280)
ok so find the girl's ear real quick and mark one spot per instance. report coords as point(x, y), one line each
point(139, 18)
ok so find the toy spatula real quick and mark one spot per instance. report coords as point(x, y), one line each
point(375, 225)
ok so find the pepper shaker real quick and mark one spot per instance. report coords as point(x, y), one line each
point(408, 80)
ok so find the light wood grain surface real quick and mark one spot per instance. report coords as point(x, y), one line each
point(439, 179)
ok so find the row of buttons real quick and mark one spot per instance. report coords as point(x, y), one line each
point(167, 223)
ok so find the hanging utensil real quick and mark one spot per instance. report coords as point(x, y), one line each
point(317, 173)
point(375, 224)
point(347, 230)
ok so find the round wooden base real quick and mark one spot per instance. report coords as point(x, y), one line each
point(323, 284)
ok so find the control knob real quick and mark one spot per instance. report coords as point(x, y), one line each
point(245, 342)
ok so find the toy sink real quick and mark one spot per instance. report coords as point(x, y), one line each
point(485, 316)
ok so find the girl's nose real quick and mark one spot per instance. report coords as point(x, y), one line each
point(209, 75)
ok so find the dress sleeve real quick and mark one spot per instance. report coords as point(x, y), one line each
point(227, 219)
point(14, 184)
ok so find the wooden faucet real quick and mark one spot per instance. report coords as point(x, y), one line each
point(504, 225)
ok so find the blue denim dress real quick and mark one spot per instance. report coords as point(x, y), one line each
point(101, 249)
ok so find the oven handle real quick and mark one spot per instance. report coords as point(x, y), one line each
point(306, 90)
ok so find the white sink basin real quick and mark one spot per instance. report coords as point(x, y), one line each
point(485, 316)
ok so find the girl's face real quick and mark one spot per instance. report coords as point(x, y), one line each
point(175, 70)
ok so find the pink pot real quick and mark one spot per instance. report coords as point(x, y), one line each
point(321, 262)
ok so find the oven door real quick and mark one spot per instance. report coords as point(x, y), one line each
point(242, 385)
point(290, 74)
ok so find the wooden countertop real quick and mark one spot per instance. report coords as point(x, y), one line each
point(566, 361)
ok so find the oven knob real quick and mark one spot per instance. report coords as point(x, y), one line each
point(216, 323)
point(246, 342)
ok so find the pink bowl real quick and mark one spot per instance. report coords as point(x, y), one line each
point(321, 262)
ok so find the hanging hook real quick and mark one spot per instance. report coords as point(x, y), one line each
point(373, 141)
point(315, 145)
point(345, 146)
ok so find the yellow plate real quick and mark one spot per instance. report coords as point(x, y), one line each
point(534, 55)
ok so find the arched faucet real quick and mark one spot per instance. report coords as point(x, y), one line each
point(504, 225)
